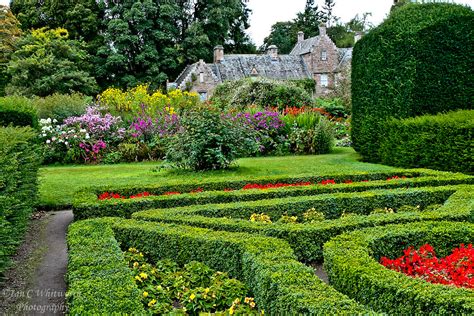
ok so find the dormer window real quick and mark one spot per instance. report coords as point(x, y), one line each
point(324, 55)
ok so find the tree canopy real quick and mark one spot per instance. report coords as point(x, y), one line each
point(46, 61)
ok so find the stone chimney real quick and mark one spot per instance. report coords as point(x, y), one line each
point(300, 36)
point(357, 36)
point(322, 29)
point(218, 54)
point(272, 50)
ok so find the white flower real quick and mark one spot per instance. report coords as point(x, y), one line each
point(48, 120)
point(48, 141)
point(53, 138)
point(55, 121)
point(82, 131)
point(87, 136)
point(44, 134)
point(66, 143)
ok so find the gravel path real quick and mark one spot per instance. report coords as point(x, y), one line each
point(44, 293)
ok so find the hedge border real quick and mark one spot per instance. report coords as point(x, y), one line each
point(353, 270)
point(99, 280)
point(86, 204)
point(307, 239)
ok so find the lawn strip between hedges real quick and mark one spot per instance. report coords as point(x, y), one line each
point(87, 205)
point(99, 279)
point(307, 239)
point(351, 261)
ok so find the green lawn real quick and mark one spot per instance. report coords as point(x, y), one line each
point(58, 184)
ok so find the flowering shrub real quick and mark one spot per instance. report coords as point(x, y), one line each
point(84, 137)
point(131, 100)
point(193, 289)
point(456, 269)
point(252, 186)
point(261, 218)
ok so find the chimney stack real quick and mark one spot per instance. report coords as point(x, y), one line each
point(300, 36)
point(218, 54)
point(322, 29)
point(272, 50)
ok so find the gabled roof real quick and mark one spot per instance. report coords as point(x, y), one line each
point(235, 67)
point(305, 46)
point(284, 67)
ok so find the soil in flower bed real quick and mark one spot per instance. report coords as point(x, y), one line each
point(457, 269)
point(189, 290)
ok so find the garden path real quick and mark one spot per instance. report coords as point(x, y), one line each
point(35, 285)
point(49, 287)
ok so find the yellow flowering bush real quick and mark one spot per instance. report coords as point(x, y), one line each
point(140, 98)
point(262, 218)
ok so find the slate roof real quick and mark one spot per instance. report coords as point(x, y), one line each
point(235, 67)
point(305, 46)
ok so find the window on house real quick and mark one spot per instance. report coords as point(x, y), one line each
point(324, 80)
point(203, 95)
point(324, 55)
point(201, 77)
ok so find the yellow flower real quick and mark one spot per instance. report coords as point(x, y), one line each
point(143, 275)
point(248, 300)
point(192, 296)
point(206, 290)
point(152, 302)
point(252, 304)
point(231, 310)
point(145, 294)
point(138, 278)
point(141, 254)
point(135, 264)
point(237, 301)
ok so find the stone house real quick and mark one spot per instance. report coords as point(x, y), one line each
point(316, 57)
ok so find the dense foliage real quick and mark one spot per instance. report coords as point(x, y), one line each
point(18, 111)
point(47, 61)
point(415, 63)
point(207, 140)
point(19, 163)
point(261, 92)
point(60, 106)
point(163, 38)
point(9, 34)
point(442, 142)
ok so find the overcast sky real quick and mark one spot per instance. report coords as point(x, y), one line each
point(266, 12)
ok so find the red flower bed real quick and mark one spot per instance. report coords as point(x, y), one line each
point(250, 186)
point(456, 269)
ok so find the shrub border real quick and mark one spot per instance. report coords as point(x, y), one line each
point(353, 271)
point(86, 204)
point(307, 239)
point(267, 265)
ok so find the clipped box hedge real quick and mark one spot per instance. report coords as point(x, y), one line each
point(87, 205)
point(19, 163)
point(418, 61)
point(18, 111)
point(98, 277)
point(279, 283)
point(351, 261)
point(100, 282)
point(307, 239)
point(443, 142)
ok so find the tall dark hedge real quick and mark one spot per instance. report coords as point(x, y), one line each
point(19, 163)
point(443, 142)
point(419, 61)
point(18, 111)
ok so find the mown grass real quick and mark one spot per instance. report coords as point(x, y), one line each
point(58, 184)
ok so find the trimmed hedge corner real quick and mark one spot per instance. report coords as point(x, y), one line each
point(99, 280)
point(18, 111)
point(442, 142)
point(416, 62)
point(351, 261)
